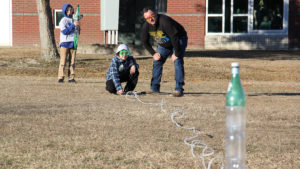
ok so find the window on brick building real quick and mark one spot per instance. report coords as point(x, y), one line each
point(268, 14)
point(247, 16)
point(57, 17)
point(161, 6)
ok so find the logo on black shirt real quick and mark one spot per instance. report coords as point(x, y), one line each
point(159, 36)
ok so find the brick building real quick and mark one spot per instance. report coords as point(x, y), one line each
point(211, 24)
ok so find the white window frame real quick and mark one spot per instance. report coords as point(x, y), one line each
point(250, 30)
point(215, 15)
point(232, 15)
point(56, 11)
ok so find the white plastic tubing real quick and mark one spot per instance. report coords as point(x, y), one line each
point(190, 141)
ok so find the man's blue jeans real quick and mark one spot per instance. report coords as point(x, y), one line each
point(178, 64)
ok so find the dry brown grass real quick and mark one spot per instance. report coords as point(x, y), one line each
point(44, 124)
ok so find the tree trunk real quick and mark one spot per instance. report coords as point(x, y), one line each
point(48, 47)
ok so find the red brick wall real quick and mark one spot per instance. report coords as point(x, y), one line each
point(26, 28)
point(90, 25)
point(294, 24)
point(191, 14)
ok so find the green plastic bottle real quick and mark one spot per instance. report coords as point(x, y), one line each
point(235, 144)
point(76, 18)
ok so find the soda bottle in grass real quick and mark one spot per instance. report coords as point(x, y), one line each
point(235, 143)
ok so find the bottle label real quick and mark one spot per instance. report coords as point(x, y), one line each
point(235, 70)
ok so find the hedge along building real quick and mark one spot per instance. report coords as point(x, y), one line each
point(211, 24)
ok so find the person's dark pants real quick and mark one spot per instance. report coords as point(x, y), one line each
point(130, 85)
point(178, 64)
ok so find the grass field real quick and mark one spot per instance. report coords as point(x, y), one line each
point(44, 124)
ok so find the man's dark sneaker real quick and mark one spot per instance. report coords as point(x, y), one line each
point(60, 80)
point(177, 94)
point(72, 81)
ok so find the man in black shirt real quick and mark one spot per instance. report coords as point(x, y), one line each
point(172, 40)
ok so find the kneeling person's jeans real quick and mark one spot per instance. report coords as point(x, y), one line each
point(130, 85)
point(178, 64)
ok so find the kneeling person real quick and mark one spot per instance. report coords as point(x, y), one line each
point(123, 68)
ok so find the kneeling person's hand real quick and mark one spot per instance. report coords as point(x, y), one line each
point(132, 70)
point(120, 92)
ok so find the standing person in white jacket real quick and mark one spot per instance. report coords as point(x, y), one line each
point(67, 32)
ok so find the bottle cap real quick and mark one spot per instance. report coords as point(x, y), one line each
point(235, 64)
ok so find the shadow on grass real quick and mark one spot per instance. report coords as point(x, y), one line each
point(105, 59)
point(263, 55)
point(257, 54)
point(242, 54)
point(144, 58)
point(250, 95)
point(91, 60)
point(274, 94)
point(94, 82)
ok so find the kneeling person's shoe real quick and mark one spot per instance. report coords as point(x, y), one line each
point(177, 94)
point(72, 81)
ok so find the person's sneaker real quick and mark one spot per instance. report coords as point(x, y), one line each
point(72, 81)
point(177, 93)
point(60, 80)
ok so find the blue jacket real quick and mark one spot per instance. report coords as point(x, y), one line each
point(118, 68)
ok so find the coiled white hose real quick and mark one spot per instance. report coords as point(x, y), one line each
point(190, 141)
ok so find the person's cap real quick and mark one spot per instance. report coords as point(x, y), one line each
point(122, 47)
